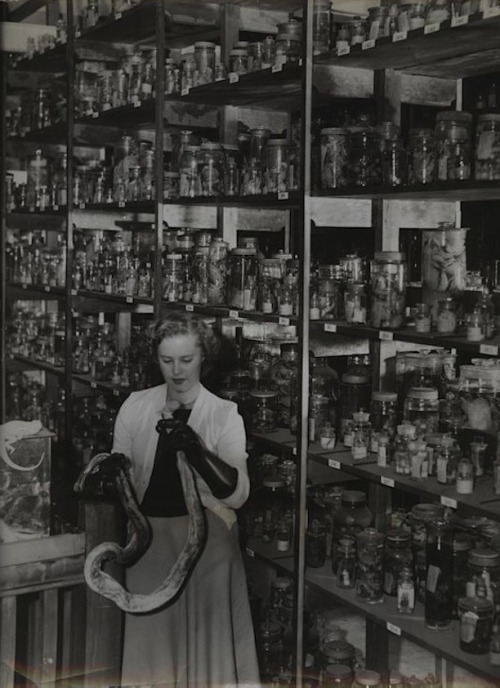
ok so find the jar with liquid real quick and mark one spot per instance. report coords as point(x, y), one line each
point(421, 156)
point(270, 650)
point(189, 180)
point(446, 318)
point(439, 575)
point(262, 411)
point(485, 563)
point(204, 57)
point(355, 303)
point(398, 555)
point(352, 517)
point(287, 49)
point(476, 621)
point(453, 138)
point(383, 416)
point(355, 391)
point(330, 291)
point(284, 376)
point(173, 277)
point(388, 290)
point(370, 566)
point(242, 291)
point(217, 271)
point(344, 563)
point(315, 544)
point(421, 409)
point(461, 547)
point(334, 158)
point(211, 170)
point(487, 150)
point(422, 318)
point(365, 167)
point(322, 19)
point(38, 176)
point(337, 652)
point(378, 19)
point(277, 177)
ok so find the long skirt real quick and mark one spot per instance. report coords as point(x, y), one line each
point(205, 637)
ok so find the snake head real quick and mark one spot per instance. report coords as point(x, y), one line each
point(98, 478)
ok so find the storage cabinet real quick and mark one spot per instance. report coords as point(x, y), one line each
point(90, 251)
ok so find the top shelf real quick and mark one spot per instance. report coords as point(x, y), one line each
point(464, 47)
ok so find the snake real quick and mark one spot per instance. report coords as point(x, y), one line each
point(106, 585)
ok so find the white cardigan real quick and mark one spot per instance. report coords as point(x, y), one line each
point(216, 421)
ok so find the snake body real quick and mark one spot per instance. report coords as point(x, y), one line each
point(104, 584)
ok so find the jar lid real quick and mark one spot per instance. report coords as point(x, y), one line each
point(263, 394)
point(426, 393)
point(241, 44)
point(384, 396)
point(281, 255)
point(353, 497)
point(395, 678)
point(340, 131)
point(427, 512)
point(352, 379)
point(338, 648)
point(243, 251)
point(489, 117)
point(210, 145)
point(390, 256)
point(237, 52)
point(281, 583)
point(367, 678)
point(458, 115)
point(461, 542)
point(204, 44)
point(398, 535)
point(273, 482)
point(484, 557)
point(191, 148)
point(371, 534)
point(288, 37)
point(270, 629)
point(338, 672)
point(173, 256)
point(277, 141)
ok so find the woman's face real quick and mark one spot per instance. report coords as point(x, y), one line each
point(180, 359)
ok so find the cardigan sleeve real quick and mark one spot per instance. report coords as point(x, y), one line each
point(122, 433)
point(231, 448)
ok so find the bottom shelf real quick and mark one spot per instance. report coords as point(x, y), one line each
point(444, 643)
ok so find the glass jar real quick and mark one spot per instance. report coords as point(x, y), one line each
point(330, 291)
point(461, 547)
point(334, 158)
point(321, 26)
point(402, 459)
point(344, 562)
point(476, 621)
point(204, 57)
point(353, 267)
point(211, 169)
point(485, 563)
point(277, 169)
point(189, 179)
point(388, 290)
point(357, 31)
point(370, 566)
point(337, 652)
point(284, 376)
point(366, 678)
point(238, 61)
point(438, 11)
point(232, 170)
point(394, 163)
point(262, 411)
point(180, 140)
point(315, 544)
point(439, 575)
point(453, 145)
point(383, 416)
point(398, 555)
point(355, 303)
point(337, 676)
point(354, 396)
point(421, 409)
point(217, 271)
point(173, 277)
point(38, 176)
point(446, 317)
point(421, 156)
point(318, 415)
point(287, 49)
point(352, 517)
point(365, 167)
point(270, 650)
point(422, 317)
point(412, 16)
point(258, 145)
point(242, 292)
point(188, 71)
point(487, 154)
point(378, 22)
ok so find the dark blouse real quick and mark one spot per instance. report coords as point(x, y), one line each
point(164, 496)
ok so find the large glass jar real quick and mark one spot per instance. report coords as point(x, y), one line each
point(217, 271)
point(321, 26)
point(365, 168)
point(383, 415)
point(334, 158)
point(398, 555)
point(337, 652)
point(173, 277)
point(262, 410)
point(355, 303)
point(355, 393)
point(287, 48)
point(439, 575)
point(270, 650)
point(204, 57)
point(211, 169)
point(421, 409)
point(189, 178)
point(370, 566)
point(284, 376)
point(242, 292)
point(352, 517)
point(180, 140)
point(277, 170)
point(378, 24)
point(330, 291)
point(487, 158)
point(421, 156)
point(485, 563)
point(388, 290)
point(461, 548)
point(453, 129)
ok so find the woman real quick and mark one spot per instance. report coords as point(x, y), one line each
point(205, 636)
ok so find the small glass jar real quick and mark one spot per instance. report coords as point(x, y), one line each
point(315, 544)
point(378, 22)
point(412, 16)
point(318, 415)
point(344, 563)
point(485, 563)
point(189, 179)
point(388, 290)
point(262, 413)
point(204, 57)
point(383, 416)
point(287, 49)
point(330, 291)
point(277, 166)
point(238, 61)
point(232, 170)
point(270, 650)
point(355, 303)
point(421, 156)
point(357, 31)
point(402, 458)
point(173, 277)
point(352, 517)
point(453, 150)
point(446, 319)
point(465, 476)
point(334, 158)
point(422, 318)
point(438, 11)
point(366, 679)
point(439, 575)
point(365, 168)
point(476, 621)
point(337, 676)
point(398, 555)
point(370, 566)
point(487, 151)
point(188, 71)
point(322, 19)
point(242, 291)
point(337, 652)
point(217, 271)
point(461, 548)
point(211, 170)
point(421, 409)
point(355, 393)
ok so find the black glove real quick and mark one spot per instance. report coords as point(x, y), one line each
point(101, 484)
point(219, 476)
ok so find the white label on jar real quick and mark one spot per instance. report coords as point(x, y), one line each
point(277, 67)
point(334, 464)
point(46, 288)
point(343, 50)
point(234, 314)
point(388, 482)
point(234, 77)
point(185, 91)
point(485, 145)
point(399, 36)
point(285, 310)
point(129, 299)
point(366, 45)
point(468, 623)
point(283, 195)
point(250, 552)
point(448, 501)
point(433, 573)
point(329, 327)
point(491, 12)
point(359, 453)
point(474, 333)
point(189, 307)
point(432, 28)
point(465, 487)
point(118, 15)
point(95, 115)
point(386, 336)
point(392, 628)
point(93, 385)
point(459, 21)
point(488, 349)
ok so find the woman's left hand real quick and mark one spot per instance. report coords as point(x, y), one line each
point(184, 438)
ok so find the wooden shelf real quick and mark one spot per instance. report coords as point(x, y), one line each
point(469, 190)
point(284, 201)
point(35, 291)
point(226, 312)
point(446, 50)
point(55, 134)
point(33, 364)
point(53, 60)
point(124, 301)
point(102, 386)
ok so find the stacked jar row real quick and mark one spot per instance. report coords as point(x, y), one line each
point(33, 261)
point(27, 400)
point(260, 163)
point(36, 334)
point(45, 186)
point(37, 110)
point(364, 157)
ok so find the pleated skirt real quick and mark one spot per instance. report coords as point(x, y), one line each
point(205, 637)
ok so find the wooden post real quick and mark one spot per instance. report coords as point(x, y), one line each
point(7, 641)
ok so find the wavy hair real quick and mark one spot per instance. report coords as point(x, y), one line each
point(180, 324)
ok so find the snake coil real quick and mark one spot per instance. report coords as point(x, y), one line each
point(102, 583)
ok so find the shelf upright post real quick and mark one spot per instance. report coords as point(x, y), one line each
point(303, 335)
point(159, 115)
point(3, 261)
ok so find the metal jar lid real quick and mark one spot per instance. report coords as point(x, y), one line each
point(488, 558)
point(427, 512)
point(385, 396)
point(367, 678)
point(425, 393)
point(338, 649)
point(352, 379)
point(353, 497)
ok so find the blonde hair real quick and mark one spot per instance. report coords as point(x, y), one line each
point(179, 323)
